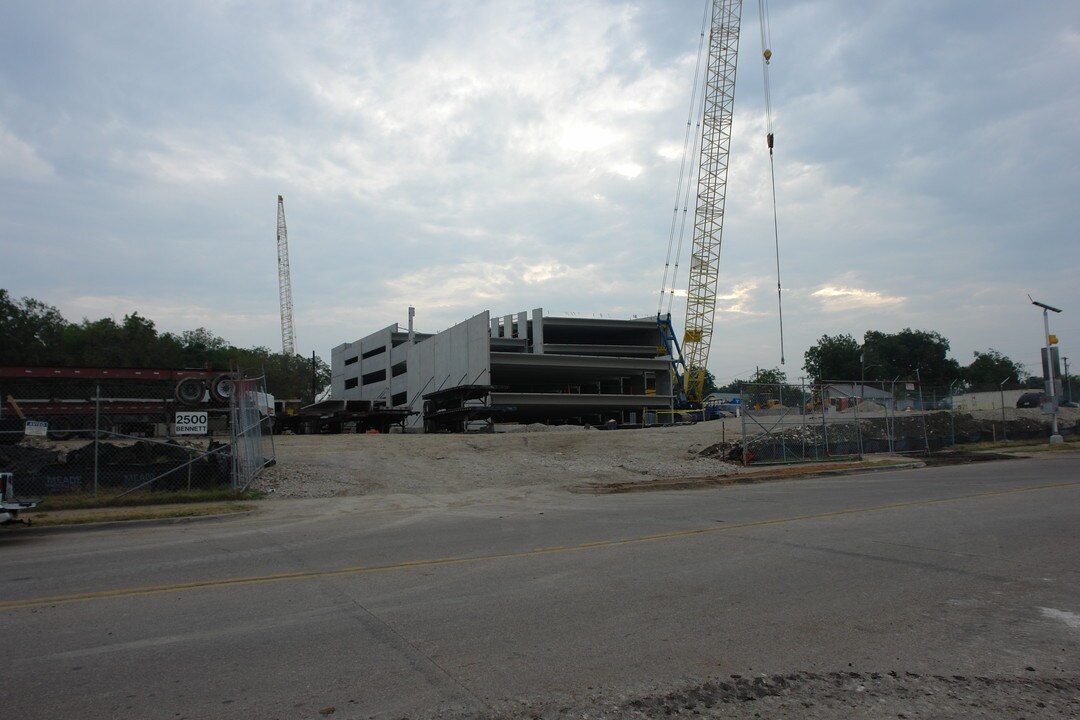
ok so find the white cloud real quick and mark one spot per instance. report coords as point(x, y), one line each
point(20, 161)
point(835, 299)
point(489, 155)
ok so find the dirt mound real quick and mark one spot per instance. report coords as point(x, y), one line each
point(901, 432)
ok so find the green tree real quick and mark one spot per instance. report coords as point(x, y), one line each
point(201, 348)
point(710, 383)
point(990, 368)
point(834, 358)
point(31, 332)
point(769, 376)
point(910, 354)
point(290, 376)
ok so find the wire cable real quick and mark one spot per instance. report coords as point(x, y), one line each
point(766, 56)
point(687, 153)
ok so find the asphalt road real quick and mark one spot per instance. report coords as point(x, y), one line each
point(548, 602)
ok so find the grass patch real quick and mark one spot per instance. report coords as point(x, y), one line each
point(143, 498)
point(119, 514)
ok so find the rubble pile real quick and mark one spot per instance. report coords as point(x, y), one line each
point(903, 432)
point(47, 470)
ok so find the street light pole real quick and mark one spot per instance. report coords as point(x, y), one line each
point(1055, 437)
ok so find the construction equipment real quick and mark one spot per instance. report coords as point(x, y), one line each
point(718, 107)
point(689, 361)
point(288, 335)
point(704, 271)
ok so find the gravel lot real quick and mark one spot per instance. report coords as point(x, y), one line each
point(534, 456)
point(349, 464)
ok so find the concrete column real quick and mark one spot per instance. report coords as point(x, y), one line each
point(508, 326)
point(538, 331)
point(494, 327)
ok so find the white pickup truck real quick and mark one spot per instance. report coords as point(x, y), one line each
point(9, 506)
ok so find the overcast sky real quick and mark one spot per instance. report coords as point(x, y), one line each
point(462, 156)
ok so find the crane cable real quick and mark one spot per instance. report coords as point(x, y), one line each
point(691, 154)
point(766, 56)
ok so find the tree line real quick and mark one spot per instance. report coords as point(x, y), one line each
point(36, 334)
point(910, 356)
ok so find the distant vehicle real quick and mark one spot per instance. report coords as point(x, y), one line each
point(1070, 404)
point(1030, 400)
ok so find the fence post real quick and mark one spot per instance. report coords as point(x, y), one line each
point(858, 423)
point(802, 389)
point(824, 425)
point(742, 415)
point(952, 413)
point(783, 434)
point(1004, 431)
point(97, 432)
point(889, 423)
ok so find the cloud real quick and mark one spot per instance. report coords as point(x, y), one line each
point(836, 299)
point(462, 156)
point(20, 161)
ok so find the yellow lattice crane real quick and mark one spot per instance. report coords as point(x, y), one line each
point(718, 102)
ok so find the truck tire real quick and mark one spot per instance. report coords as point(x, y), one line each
point(189, 391)
point(103, 431)
point(60, 428)
point(222, 388)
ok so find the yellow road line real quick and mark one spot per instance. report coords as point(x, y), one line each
point(119, 593)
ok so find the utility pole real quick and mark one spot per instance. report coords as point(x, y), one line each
point(1068, 381)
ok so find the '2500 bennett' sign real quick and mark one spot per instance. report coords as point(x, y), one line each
point(190, 423)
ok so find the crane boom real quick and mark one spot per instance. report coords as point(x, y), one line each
point(288, 335)
point(719, 103)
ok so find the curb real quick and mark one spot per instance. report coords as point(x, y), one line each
point(676, 484)
point(132, 524)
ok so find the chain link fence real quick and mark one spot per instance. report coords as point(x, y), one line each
point(784, 423)
point(103, 441)
point(251, 423)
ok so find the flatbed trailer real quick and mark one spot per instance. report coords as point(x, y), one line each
point(76, 400)
point(336, 416)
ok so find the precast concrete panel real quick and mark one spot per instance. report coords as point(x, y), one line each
point(479, 351)
point(441, 366)
point(413, 382)
point(419, 380)
point(538, 330)
point(508, 326)
point(459, 355)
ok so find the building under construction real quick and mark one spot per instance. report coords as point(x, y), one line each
point(531, 368)
point(520, 368)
